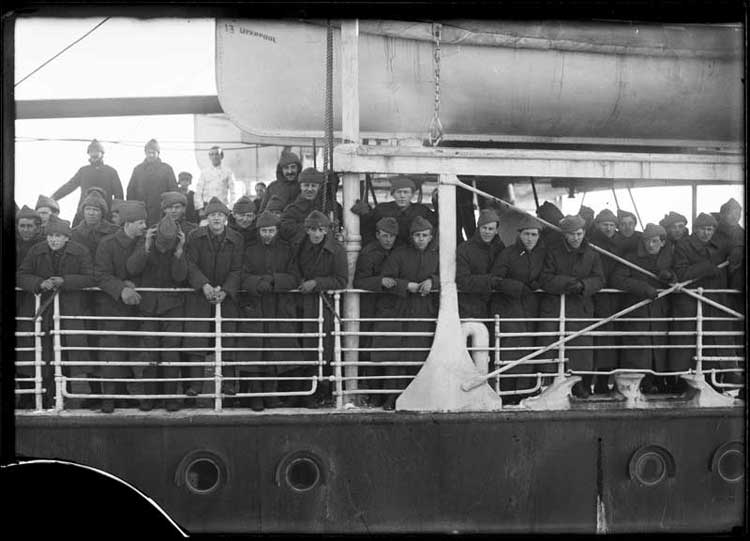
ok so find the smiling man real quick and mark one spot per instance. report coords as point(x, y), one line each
point(285, 187)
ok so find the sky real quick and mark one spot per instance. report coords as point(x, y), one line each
point(163, 57)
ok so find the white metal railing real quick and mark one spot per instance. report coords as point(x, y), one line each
point(353, 378)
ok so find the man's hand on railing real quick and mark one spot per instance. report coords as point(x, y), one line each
point(666, 275)
point(573, 287)
point(412, 287)
point(130, 296)
point(495, 282)
point(209, 292)
point(308, 286)
point(425, 287)
point(264, 287)
point(387, 282)
point(219, 295)
point(47, 285)
point(650, 292)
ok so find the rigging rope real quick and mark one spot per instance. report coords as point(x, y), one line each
point(328, 151)
point(436, 127)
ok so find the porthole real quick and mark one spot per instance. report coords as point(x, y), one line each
point(301, 471)
point(728, 462)
point(201, 472)
point(651, 466)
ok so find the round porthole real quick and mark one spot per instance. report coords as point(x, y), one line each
point(300, 471)
point(201, 472)
point(728, 462)
point(651, 465)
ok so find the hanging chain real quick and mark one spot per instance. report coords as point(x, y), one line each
point(436, 127)
point(328, 150)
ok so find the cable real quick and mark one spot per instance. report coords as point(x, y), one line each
point(61, 52)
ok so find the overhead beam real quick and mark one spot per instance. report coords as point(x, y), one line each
point(96, 107)
point(540, 163)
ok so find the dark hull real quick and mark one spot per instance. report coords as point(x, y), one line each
point(513, 471)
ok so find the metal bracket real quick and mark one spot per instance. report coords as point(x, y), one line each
point(704, 395)
point(628, 385)
point(554, 397)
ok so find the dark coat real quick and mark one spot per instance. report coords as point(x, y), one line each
point(157, 269)
point(217, 264)
point(694, 259)
point(474, 260)
point(369, 276)
point(275, 262)
point(292, 226)
point(639, 287)
point(74, 266)
point(89, 176)
point(518, 268)
point(733, 236)
point(404, 217)
point(191, 215)
point(148, 181)
point(23, 246)
point(90, 236)
point(561, 264)
point(326, 264)
point(281, 187)
point(249, 234)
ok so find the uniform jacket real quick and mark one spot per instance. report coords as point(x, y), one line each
point(292, 226)
point(148, 181)
point(110, 270)
point(23, 246)
point(404, 217)
point(89, 176)
point(474, 260)
point(157, 269)
point(369, 276)
point(214, 263)
point(91, 236)
point(407, 264)
point(285, 189)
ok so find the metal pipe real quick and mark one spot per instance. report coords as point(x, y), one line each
point(57, 354)
point(635, 207)
point(497, 350)
point(337, 352)
point(38, 359)
point(217, 358)
point(561, 349)
point(699, 337)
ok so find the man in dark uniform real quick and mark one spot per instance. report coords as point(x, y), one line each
point(149, 180)
point(401, 208)
point(242, 219)
point(675, 225)
point(95, 174)
point(629, 237)
point(183, 182)
point(28, 229)
point(550, 214)
point(111, 275)
point(285, 186)
point(173, 204)
point(573, 268)
point(292, 228)
point(46, 207)
point(369, 276)
point(275, 206)
point(94, 226)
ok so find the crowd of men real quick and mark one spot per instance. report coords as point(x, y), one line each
point(249, 258)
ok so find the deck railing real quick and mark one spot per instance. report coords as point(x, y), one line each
point(355, 381)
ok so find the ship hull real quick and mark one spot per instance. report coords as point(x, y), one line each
point(516, 471)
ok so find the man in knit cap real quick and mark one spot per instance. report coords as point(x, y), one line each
point(675, 224)
point(474, 260)
point(629, 237)
point(60, 264)
point(214, 255)
point(414, 268)
point(94, 225)
point(121, 300)
point(551, 214)
point(28, 231)
point(606, 236)
point(587, 213)
point(515, 276)
point(285, 186)
point(174, 205)
point(149, 180)
point(403, 189)
point(269, 271)
point(369, 275)
point(730, 233)
point(322, 267)
point(573, 268)
point(183, 186)
point(95, 174)
point(310, 198)
point(242, 219)
point(275, 206)
point(697, 257)
point(158, 261)
point(647, 351)
point(216, 180)
point(46, 207)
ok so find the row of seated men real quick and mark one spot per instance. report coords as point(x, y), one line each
point(297, 250)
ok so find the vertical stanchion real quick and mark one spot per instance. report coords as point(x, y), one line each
point(561, 348)
point(38, 361)
point(337, 351)
point(321, 335)
point(497, 351)
point(217, 358)
point(699, 335)
point(57, 348)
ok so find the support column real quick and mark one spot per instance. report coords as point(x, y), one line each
point(350, 182)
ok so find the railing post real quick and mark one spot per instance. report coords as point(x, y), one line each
point(497, 351)
point(699, 335)
point(217, 358)
point(561, 349)
point(321, 337)
point(337, 351)
point(38, 360)
point(59, 381)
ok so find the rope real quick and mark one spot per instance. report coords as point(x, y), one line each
point(328, 151)
point(436, 127)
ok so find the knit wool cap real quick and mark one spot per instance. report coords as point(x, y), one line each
point(606, 216)
point(549, 213)
point(94, 145)
point(729, 205)
point(402, 182)
point(587, 213)
point(672, 218)
point(528, 222)
point(243, 205)
point(419, 224)
point(152, 144)
point(704, 220)
point(116, 204)
point(45, 201)
point(93, 199)
point(653, 230)
point(487, 216)
point(275, 203)
point(572, 223)
point(625, 214)
point(132, 211)
point(215, 205)
point(58, 225)
point(172, 198)
point(311, 176)
point(388, 224)
point(288, 158)
point(166, 234)
point(28, 213)
point(267, 219)
point(317, 219)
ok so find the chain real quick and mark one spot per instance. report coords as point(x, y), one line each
point(436, 127)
